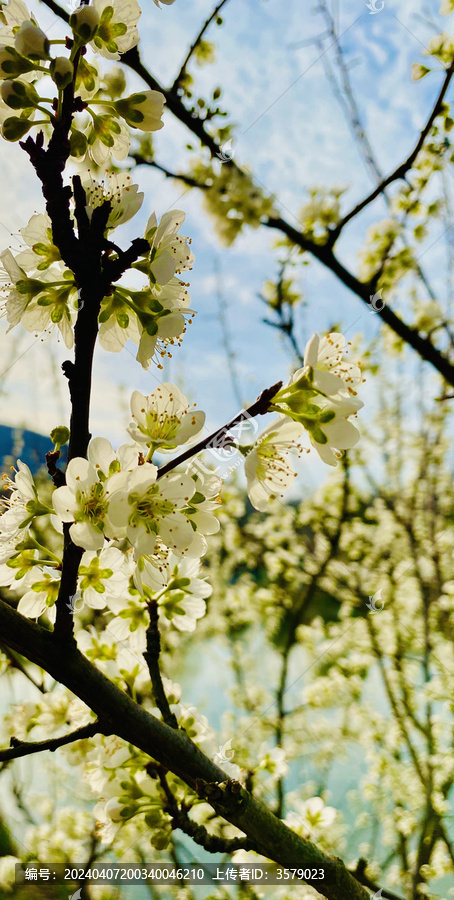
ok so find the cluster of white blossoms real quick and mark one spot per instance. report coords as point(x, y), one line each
point(39, 291)
point(143, 536)
point(318, 402)
point(155, 317)
point(144, 533)
point(101, 123)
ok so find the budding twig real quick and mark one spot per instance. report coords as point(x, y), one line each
point(220, 437)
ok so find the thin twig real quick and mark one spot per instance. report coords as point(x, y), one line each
point(16, 663)
point(401, 170)
point(151, 656)
point(347, 100)
point(220, 437)
point(195, 44)
point(26, 748)
point(360, 874)
point(226, 340)
point(141, 160)
point(198, 833)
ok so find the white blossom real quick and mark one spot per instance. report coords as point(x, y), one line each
point(84, 500)
point(267, 469)
point(117, 31)
point(147, 508)
point(164, 420)
point(118, 189)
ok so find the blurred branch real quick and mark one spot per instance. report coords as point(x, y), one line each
point(280, 724)
point(345, 94)
point(347, 100)
point(196, 43)
point(141, 160)
point(393, 701)
point(284, 312)
point(401, 170)
point(16, 664)
point(294, 620)
point(26, 748)
point(226, 342)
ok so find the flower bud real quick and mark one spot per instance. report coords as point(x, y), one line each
point(418, 71)
point(161, 839)
point(115, 82)
point(62, 71)
point(30, 41)
point(84, 23)
point(13, 129)
point(142, 110)
point(78, 143)
point(19, 95)
point(60, 436)
point(13, 64)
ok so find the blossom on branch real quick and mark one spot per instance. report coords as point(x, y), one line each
point(321, 396)
point(84, 501)
point(143, 111)
point(164, 420)
point(145, 509)
point(116, 32)
point(267, 469)
point(116, 188)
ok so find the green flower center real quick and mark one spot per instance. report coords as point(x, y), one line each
point(93, 576)
point(160, 427)
point(51, 588)
point(108, 30)
point(149, 508)
point(137, 617)
point(92, 507)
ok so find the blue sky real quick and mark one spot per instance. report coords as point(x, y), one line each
point(292, 132)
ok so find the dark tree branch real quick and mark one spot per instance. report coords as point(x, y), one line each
point(220, 437)
point(26, 748)
point(80, 212)
point(360, 874)
point(151, 657)
point(56, 474)
point(94, 273)
point(178, 176)
point(113, 269)
point(198, 833)
point(362, 289)
point(210, 842)
point(174, 749)
point(58, 10)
